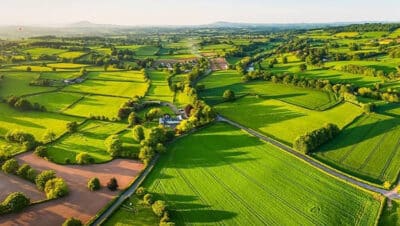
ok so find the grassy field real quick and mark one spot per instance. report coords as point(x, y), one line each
point(17, 83)
point(67, 66)
point(94, 105)
point(391, 215)
point(36, 123)
point(58, 75)
point(10, 148)
point(36, 52)
point(90, 139)
point(159, 89)
point(71, 55)
point(55, 101)
point(134, 76)
point(33, 68)
point(112, 88)
point(284, 121)
point(369, 148)
point(251, 181)
point(218, 82)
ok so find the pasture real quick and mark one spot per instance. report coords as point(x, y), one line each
point(251, 181)
point(55, 101)
point(284, 121)
point(133, 76)
point(159, 89)
point(369, 148)
point(90, 139)
point(71, 55)
point(36, 52)
point(218, 82)
point(33, 122)
point(17, 83)
point(66, 66)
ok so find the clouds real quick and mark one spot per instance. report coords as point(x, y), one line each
point(133, 12)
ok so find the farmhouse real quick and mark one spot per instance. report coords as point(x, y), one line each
point(168, 121)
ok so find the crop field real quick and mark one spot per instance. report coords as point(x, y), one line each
point(395, 34)
point(95, 105)
point(17, 83)
point(369, 148)
point(71, 55)
point(89, 138)
point(134, 76)
point(242, 171)
point(284, 121)
point(146, 51)
point(55, 101)
point(66, 66)
point(218, 82)
point(33, 68)
point(36, 123)
point(36, 52)
point(10, 148)
point(112, 88)
point(58, 75)
point(159, 89)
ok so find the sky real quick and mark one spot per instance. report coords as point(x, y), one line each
point(190, 12)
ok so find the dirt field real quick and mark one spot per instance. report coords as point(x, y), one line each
point(80, 203)
point(11, 183)
point(218, 64)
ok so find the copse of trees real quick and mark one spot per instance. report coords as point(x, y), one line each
point(14, 203)
point(84, 158)
point(22, 104)
point(312, 140)
point(72, 127)
point(113, 144)
point(43, 177)
point(21, 137)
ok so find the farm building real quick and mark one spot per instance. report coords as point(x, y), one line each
point(169, 121)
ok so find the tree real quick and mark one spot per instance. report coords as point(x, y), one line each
point(23, 105)
point(141, 191)
point(56, 188)
point(112, 184)
point(72, 127)
point(40, 151)
point(43, 177)
point(84, 158)
point(94, 184)
point(132, 119)
point(114, 145)
point(49, 136)
point(15, 202)
point(155, 136)
point(160, 148)
point(146, 153)
point(138, 133)
point(284, 60)
point(27, 172)
point(72, 222)
point(303, 67)
point(28, 69)
point(148, 199)
point(153, 113)
point(228, 95)
point(10, 166)
point(159, 207)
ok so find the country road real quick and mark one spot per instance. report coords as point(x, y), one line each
point(389, 194)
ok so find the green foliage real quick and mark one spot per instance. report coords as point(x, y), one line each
point(41, 151)
point(132, 119)
point(72, 127)
point(56, 188)
point(43, 177)
point(27, 172)
point(10, 166)
point(114, 145)
point(84, 158)
point(49, 136)
point(72, 222)
point(229, 95)
point(21, 137)
point(148, 199)
point(159, 207)
point(94, 184)
point(15, 202)
point(312, 140)
point(138, 133)
point(141, 191)
point(112, 184)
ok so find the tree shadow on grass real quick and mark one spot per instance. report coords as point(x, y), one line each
point(206, 216)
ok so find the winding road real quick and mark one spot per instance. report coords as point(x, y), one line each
point(392, 194)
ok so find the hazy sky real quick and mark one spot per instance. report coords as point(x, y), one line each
point(177, 12)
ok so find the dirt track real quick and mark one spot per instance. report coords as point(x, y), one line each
point(80, 203)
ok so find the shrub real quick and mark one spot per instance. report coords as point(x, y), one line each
point(49, 136)
point(146, 153)
point(21, 137)
point(72, 127)
point(84, 158)
point(112, 184)
point(56, 188)
point(148, 199)
point(15, 202)
point(160, 148)
point(312, 140)
point(10, 166)
point(159, 207)
point(114, 145)
point(138, 133)
point(133, 119)
point(94, 184)
point(40, 151)
point(141, 191)
point(228, 95)
point(43, 177)
point(72, 222)
point(27, 172)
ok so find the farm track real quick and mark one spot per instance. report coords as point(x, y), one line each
point(313, 162)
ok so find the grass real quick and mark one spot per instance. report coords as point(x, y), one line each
point(71, 55)
point(36, 123)
point(391, 215)
point(59, 75)
point(90, 139)
point(284, 121)
point(368, 148)
point(55, 101)
point(17, 83)
point(112, 88)
point(94, 105)
point(67, 66)
point(146, 51)
point(10, 148)
point(159, 89)
point(33, 68)
point(36, 52)
point(218, 82)
point(233, 178)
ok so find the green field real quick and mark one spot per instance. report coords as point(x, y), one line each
point(218, 82)
point(36, 123)
point(369, 148)
point(251, 181)
point(17, 83)
point(159, 89)
point(90, 138)
point(134, 76)
point(284, 121)
point(36, 52)
point(71, 55)
point(55, 101)
point(66, 65)
point(111, 88)
point(94, 105)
